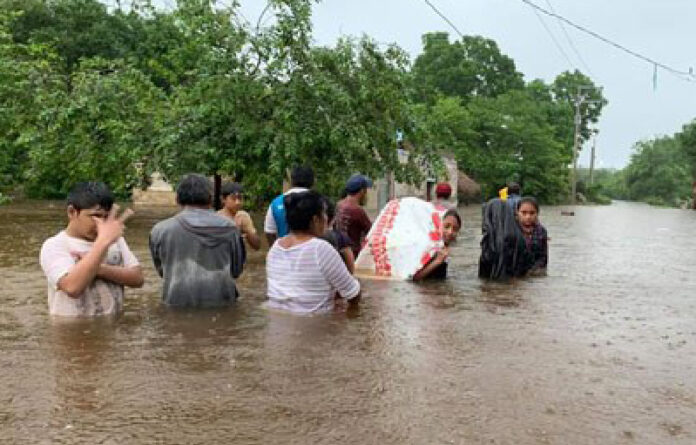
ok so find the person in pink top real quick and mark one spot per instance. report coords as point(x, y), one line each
point(304, 272)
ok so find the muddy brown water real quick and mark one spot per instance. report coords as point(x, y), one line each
point(601, 351)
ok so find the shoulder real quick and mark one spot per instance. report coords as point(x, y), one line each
point(321, 246)
point(163, 225)
point(57, 241)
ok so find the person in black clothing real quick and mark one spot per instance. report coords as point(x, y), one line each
point(339, 240)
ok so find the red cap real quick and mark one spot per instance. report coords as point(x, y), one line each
point(443, 190)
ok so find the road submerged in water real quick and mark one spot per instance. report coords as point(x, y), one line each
point(601, 351)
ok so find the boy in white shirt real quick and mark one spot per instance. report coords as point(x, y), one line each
point(88, 264)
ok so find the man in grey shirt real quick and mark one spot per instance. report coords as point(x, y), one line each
point(197, 252)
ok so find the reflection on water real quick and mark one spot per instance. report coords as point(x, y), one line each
point(600, 351)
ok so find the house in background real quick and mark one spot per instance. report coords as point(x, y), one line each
point(387, 188)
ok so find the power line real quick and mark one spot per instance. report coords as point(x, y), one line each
point(444, 17)
point(553, 37)
point(570, 42)
point(685, 75)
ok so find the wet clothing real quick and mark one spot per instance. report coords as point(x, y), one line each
point(304, 278)
point(59, 254)
point(337, 239)
point(537, 245)
point(275, 222)
point(513, 201)
point(504, 252)
point(440, 272)
point(352, 220)
point(199, 254)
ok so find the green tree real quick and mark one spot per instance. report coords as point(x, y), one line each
point(659, 172)
point(472, 67)
point(512, 140)
point(99, 130)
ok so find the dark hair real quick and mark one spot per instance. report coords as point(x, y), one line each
point(330, 208)
point(85, 195)
point(455, 214)
point(528, 200)
point(514, 188)
point(301, 207)
point(231, 188)
point(194, 190)
point(302, 176)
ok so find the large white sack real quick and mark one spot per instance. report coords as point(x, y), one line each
point(404, 238)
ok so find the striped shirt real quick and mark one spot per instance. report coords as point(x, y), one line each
point(304, 278)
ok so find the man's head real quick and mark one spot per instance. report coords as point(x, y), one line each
point(306, 212)
point(357, 187)
point(443, 191)
point(194, 191)
point(302, 176)
point(232, 196)
point(514, 188)
point(86, 201)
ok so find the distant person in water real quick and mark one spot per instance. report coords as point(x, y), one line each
point(303, 271)
point(437, 267)
point(443, 193)
point(351, 218)
point(514, 192)
point(197, 252)
point(232, 203)
point(275, 225)
point(88, 263)
point(535, 235)
point(503, 251)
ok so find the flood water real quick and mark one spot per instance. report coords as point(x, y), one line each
point(601, 351)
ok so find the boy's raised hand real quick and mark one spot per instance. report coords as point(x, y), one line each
point(109, 230)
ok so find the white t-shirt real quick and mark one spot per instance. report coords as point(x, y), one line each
point(269, 224)
point(58, 256)
point(304, 278)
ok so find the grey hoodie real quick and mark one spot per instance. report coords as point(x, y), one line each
point(199, 254)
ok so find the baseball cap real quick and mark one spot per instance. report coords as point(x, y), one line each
point(357, 183)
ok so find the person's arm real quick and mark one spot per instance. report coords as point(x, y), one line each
point(543, 260)
point(336, 273)
point(85, 271)
point(269, 227)
point(246, 225)
point(348, 259)
point(125, 276)
point(432, 265)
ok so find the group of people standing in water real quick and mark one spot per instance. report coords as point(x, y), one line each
point(313, 243)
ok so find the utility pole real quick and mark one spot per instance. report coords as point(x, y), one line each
point(592, 157)
point(580, 99)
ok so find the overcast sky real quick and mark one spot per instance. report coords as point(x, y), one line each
point(661, 29)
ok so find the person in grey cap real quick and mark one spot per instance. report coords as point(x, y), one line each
point(351, 218)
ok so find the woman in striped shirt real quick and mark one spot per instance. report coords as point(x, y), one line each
point(304, 271)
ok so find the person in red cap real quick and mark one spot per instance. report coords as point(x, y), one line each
point(443, 192)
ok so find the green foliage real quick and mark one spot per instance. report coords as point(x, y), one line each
point(472, 67)
point(659, 172)
point(98, 130)
point(511, 139)
point(91, 93)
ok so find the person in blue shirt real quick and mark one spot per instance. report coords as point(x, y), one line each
point(275, 225)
